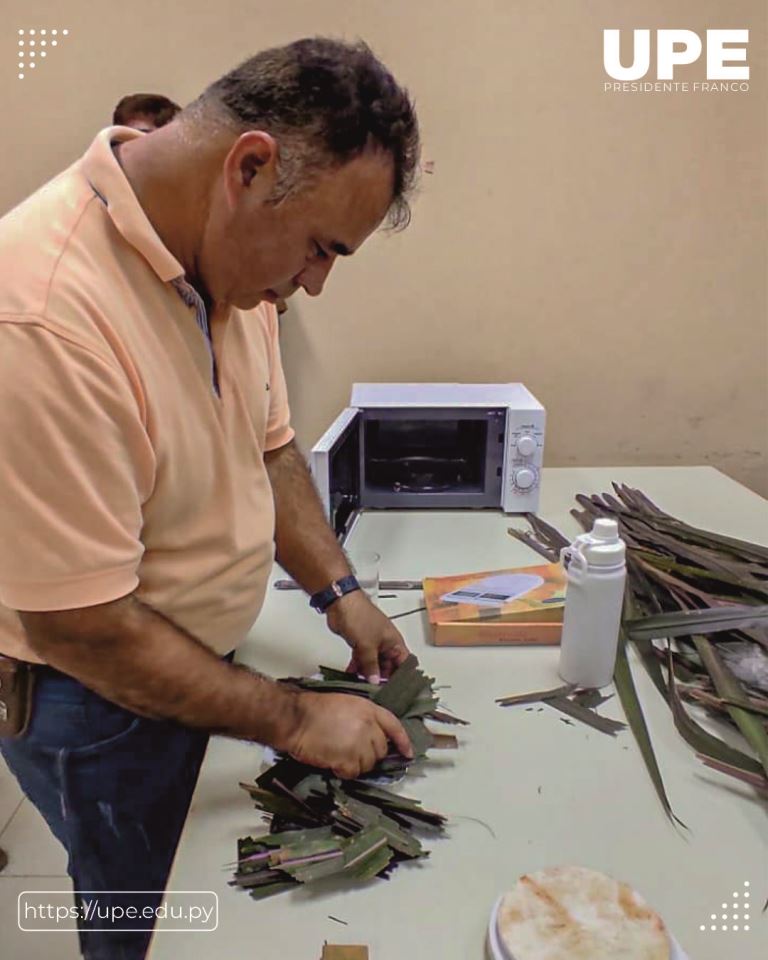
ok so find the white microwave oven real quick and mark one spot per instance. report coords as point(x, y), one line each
point(431, 446)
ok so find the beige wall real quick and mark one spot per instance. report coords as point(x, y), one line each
point(608, 250)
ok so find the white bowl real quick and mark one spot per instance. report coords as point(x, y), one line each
point(499, 952)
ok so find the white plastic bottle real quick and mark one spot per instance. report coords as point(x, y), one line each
point(596, 575)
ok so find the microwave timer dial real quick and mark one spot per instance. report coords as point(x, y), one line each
point(524, 479)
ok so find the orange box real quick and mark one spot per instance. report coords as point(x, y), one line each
point(336, 952)
point(519, 605)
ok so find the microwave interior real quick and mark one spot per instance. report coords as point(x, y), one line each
point(418, 458)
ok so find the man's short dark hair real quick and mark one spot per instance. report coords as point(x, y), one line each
point(155, 107)
point(331, 100)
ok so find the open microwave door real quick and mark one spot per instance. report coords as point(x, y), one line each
point(335, 466)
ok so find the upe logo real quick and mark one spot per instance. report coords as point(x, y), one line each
point(677, 48)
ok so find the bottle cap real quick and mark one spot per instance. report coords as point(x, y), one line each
point(602, 546)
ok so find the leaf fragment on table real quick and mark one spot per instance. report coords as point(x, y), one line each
point(538, 697)
point(587, 716)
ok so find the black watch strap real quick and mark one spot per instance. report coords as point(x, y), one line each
point(321, 600)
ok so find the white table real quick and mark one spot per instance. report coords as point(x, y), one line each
point(546, 792)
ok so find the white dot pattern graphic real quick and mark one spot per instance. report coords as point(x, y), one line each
point(739, 914)
point(26, 58)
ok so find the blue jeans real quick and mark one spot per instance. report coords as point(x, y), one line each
point(114, 788)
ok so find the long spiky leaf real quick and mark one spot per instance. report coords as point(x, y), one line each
point(625, 687)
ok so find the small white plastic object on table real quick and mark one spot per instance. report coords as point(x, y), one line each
point(497, 950)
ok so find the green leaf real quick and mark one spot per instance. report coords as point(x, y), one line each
point(753, 779)
point(249, 845)
point(587, 716)
point(440, 716)
point(703, 741)
point(690, 622)
point(421, 739)
point(394, 804)
point(721, 703)
point(625, 687)
point(537, 697)
point(275, 804)
point(549, 554)
point(329, 673)
point(543, 529)
point(728, 686)
point(367, 816)
point(367, 853)
point(695, 573)
point(268, 890)
point(713, 541)
point(403, 688)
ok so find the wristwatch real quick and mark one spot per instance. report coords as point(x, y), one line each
point(321, 600)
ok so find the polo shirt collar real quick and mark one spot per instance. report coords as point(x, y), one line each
point(108, 180)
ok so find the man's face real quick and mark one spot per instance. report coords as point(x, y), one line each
point(256, 250)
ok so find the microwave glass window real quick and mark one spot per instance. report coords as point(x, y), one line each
point(425, 455)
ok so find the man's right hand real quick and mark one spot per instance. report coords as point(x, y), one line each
point(130, 655)
point(345, 733)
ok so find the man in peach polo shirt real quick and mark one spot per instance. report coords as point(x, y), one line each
point(149, 469)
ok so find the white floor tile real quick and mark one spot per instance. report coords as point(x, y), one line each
point(32, 849)
point(16, 944)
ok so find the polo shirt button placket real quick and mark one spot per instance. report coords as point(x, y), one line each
point(192, 298)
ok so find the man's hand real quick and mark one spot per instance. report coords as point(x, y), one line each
point(377, 645)
point(308, 549)
point(343, 732)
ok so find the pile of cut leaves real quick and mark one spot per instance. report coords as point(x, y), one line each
point(353, 830)
point(696, 611)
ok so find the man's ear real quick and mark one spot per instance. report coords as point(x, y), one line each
point(250, 165)
point(258, 155)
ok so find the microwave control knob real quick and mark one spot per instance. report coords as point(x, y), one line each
point(524, 479)
point(526, 446)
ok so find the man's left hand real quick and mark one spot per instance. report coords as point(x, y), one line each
point(377, 645)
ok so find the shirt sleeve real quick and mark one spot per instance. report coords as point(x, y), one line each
point(279, 429)
point(76, 467)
